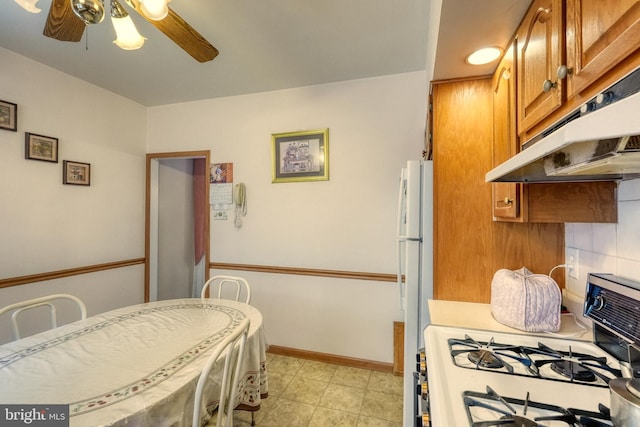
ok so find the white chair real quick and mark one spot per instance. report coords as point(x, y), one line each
point(231, 350)
point(46, 301)
point(222, 281)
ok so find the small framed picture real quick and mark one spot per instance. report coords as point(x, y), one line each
point(8, 116)
point(40, 147)
point(300, 156)
point(76, 173)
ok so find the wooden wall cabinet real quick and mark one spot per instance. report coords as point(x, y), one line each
point(600, 35)
point(556, 202)
point(568, 52)
point(469, 247)
point(540, 40)
point(506, 196)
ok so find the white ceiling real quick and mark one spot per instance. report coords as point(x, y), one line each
point(268, 45)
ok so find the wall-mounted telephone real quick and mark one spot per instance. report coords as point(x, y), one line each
point(240, 200)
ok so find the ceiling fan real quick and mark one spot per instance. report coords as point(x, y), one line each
point(68, 19)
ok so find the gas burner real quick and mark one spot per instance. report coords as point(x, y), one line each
point(490, 409)
point(485, 359)
point(573, 371)
point(577, 367)
point(486, 355)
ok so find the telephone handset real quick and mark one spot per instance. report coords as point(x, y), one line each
point(240, 200)
point(239, 191)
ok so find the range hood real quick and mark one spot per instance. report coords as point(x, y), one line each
point(601, 145)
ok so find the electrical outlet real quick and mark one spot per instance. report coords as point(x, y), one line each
point(572, 263)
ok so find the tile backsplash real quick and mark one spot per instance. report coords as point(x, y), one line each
point(606, 248)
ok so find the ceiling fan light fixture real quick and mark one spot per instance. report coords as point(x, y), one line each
point(90, 11)
point(127, 36)
point(29, 5)
point(484, 56)
point(155, 10)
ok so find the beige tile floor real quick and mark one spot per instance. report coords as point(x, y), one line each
point(314, 394)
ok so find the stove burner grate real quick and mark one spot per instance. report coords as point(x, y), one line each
point(516, 421)
point(577, 367)
point(573, 370)
point(539, 362)
point(486, 355)
point(506, 411)
point(485, 359)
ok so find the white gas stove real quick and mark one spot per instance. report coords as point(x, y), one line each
point(482, 378)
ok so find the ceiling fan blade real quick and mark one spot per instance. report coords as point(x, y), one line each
point(62, 23)
point(182, 34)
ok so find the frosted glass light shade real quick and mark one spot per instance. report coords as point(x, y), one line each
point(29, 5)
point(484, 56)
point(127, 36)
point(154, 9)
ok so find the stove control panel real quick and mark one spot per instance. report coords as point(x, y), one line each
point(613, 303)
point(422, 390)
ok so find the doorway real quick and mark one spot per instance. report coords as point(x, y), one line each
point(176, 224)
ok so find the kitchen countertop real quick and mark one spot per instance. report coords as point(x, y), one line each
point(471, 315)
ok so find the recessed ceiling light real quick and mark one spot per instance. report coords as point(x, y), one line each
point(484, 56)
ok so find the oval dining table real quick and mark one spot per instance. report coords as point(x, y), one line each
point(134, 366)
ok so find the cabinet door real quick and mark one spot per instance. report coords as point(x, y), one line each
point(600, 34)
point(506, 196)
point(540, 53)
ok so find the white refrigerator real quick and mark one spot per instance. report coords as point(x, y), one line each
point(415, 270)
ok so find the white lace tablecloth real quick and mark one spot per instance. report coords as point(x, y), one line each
point(135, 366)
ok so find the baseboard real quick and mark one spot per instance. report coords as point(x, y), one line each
point(331, 358)
point(398, 348)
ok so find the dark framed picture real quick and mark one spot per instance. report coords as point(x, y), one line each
point(76, 173)
point(40, 147)
point(8, 116)
point(300, 156)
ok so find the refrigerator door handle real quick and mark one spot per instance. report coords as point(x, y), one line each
point(402, 195)
point(402, 200)
point(399, 271)
point(409, 239)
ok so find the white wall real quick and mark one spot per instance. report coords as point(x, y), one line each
point(608, 248)
point(47, 226)
point(346, 223)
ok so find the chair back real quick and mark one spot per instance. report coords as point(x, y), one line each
point(20, 307)
point(238, 283)
point(231, 351)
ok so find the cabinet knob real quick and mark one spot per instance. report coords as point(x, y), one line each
point(543, 15)
point(563, 72)
point(507, 201)
point(548, 85)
